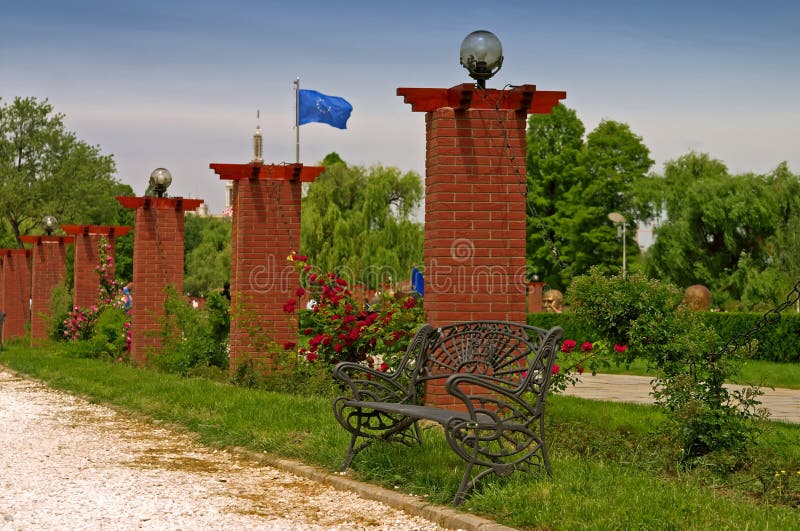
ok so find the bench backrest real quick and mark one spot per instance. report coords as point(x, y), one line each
point(515, 356)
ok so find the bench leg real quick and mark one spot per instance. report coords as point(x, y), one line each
point(464, 487)
point(545, 455)
point(352, 450)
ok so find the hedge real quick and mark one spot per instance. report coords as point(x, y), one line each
point(779, 342)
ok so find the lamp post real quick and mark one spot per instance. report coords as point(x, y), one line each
point(622, 223)
point(160, 180)
point(481, 55)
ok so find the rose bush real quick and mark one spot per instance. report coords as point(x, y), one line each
point(106, 325)
point(343, 326)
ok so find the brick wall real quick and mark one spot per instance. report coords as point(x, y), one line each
point(48, 263)
point(158, 244)
point(16, 291)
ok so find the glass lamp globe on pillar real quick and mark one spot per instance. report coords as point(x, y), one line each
point(481, 55)
point(160, 180)
point(49, 224)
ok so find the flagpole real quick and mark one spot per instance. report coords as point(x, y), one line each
point(297, 119)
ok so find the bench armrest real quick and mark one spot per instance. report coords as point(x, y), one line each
point(368, 385)
point(487, 398)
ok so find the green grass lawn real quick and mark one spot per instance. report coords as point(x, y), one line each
point(610, 468)
point(755, 372)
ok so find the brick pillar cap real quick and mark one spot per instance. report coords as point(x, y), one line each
point(162, 203)
point(35, 240)
point(101, 230)
point(522, 98)
point(279, 172)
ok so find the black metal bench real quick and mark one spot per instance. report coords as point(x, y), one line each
point(499, 374)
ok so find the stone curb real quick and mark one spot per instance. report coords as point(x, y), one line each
point(446, 517)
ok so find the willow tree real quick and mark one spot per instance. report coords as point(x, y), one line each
point(359, 222)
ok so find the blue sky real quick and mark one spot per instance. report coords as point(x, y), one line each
point(177, 84)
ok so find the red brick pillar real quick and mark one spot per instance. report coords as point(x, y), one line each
point(16, 291)
point(266, 229)
point(535, 292)
point(86, 284)
point(157, 263)
point(475, 201)
point(49, 264)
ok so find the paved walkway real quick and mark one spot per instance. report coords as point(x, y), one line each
point(783, 404)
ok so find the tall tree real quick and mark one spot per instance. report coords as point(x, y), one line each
point(45, 169)
point(358, 222)
point(554, 165)
point(573, 186)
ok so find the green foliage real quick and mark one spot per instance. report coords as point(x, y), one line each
point(647, 316)
point(110, 335)
point(572, 187)
point(289, 373)
point(60, 307)
point(778, 341)
point(207, 251)
point(733, 234)
point(573, 327)
point(357, 222)
point(194, 339)
point(45, 169)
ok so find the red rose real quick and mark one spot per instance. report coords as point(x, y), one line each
point(579, 368)
point(410, 302)
point(337, 347)
point(568, 345)
point(556, 368)
point(384, 367)
point(300, 292)
point(289, 345)
point(587, 346)
point(620, 348)
point(312, 356)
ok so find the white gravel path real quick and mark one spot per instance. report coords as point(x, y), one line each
point(68, 464)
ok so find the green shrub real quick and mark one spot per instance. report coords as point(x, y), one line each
point(647, 318)
point(194, 339)
point(778, 341)
point(60, 307)
point(110, 337)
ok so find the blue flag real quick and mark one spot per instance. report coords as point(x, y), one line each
point(318, 107)
point(417, 281)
